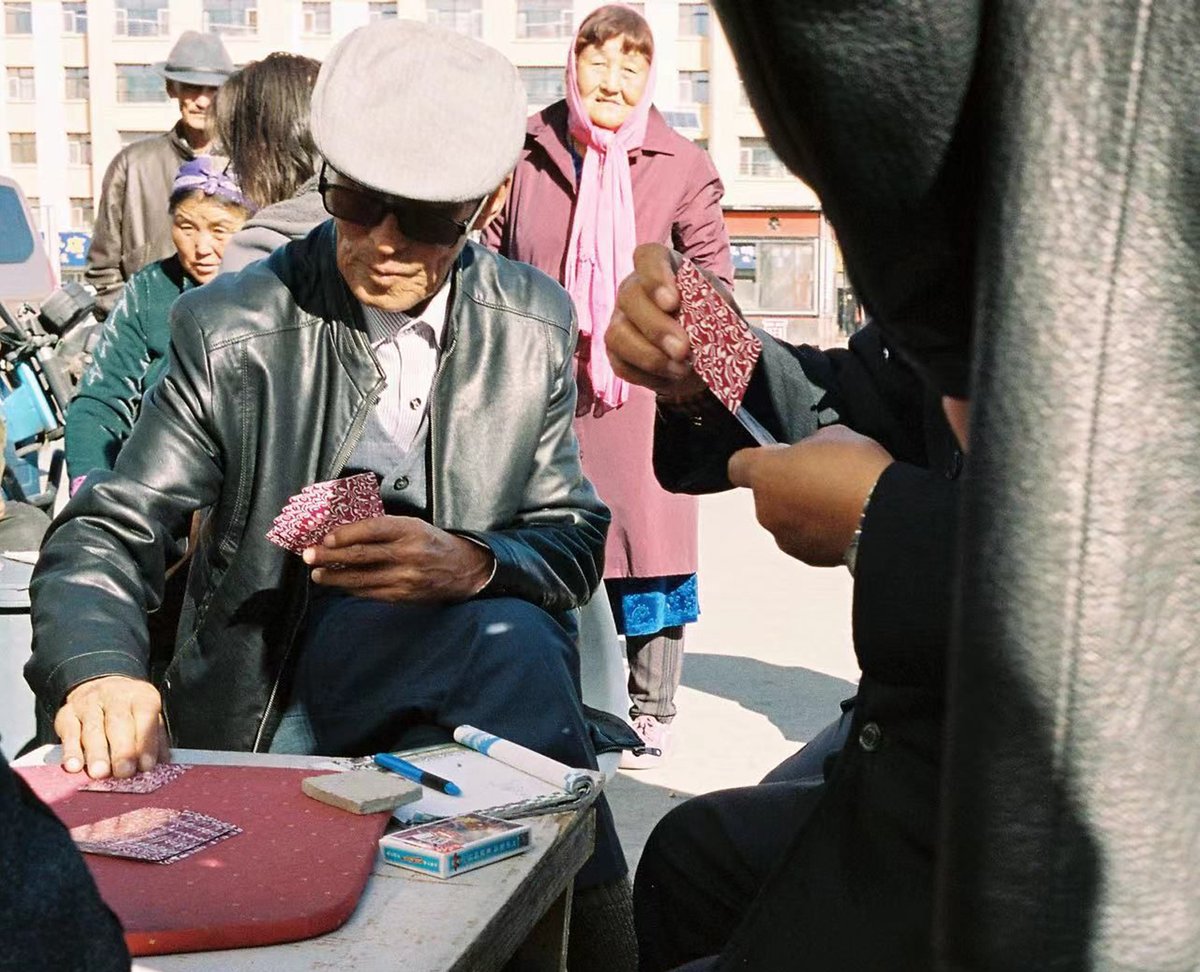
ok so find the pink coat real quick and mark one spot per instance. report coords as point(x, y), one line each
point(677, 196)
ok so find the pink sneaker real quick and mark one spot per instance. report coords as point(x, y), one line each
point(657, 737)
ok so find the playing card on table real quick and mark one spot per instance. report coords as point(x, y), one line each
point(146, 782)
point(724, 349)
point(318, 508)
point(152, 834)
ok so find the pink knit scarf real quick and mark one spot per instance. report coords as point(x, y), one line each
point(603, 229)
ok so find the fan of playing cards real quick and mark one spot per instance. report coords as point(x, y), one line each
point(317, 509)
point(724, 349)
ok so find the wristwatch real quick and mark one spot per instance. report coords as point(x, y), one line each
point(850, 557)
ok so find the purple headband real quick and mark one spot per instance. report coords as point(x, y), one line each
point(199, 174)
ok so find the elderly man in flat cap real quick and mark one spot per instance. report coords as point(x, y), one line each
point(384, 342)
point(133, 227)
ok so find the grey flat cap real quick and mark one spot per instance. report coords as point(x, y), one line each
point(418, 111)
point(197, 58)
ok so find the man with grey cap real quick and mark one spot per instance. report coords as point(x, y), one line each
point(133, 227)
point(384, 342)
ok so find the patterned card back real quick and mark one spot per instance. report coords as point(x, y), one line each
point(317, 509)
point(724, 349)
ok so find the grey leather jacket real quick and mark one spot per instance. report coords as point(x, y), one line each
point(133, 227)
point(270, 381)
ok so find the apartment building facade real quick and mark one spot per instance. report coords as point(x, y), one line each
point(80, 85)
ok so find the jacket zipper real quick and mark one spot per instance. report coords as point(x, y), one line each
point(356, 431)
point(433, 426)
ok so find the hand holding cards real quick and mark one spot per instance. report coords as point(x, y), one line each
point(309, 515)
point(724, 349)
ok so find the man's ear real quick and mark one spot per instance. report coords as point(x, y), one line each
point(494, 205)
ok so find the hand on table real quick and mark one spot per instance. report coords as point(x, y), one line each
point(809, 496)
point(113, 726)
point(400, 558)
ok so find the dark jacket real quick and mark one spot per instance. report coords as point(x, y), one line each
point(52, 914)
point(129, 358)
point(132, 226)
point(1020, 178)
point(854, 889)
point(269, 384)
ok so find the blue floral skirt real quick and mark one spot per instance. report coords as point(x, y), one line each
point(646, 605)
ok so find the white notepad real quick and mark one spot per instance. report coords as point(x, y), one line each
point(497, 778)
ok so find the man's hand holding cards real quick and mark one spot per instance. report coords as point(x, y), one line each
point(675, 333)
point(342, 532)
point(308, 516)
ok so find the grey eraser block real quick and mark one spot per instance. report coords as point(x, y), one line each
point(362, 791)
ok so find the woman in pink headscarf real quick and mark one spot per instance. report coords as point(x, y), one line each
point(601, 172)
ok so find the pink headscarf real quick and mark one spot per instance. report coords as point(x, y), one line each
point(604, 228)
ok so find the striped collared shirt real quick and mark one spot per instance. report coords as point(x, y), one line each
point(407, 349)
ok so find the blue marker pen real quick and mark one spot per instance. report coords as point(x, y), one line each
point(410, 771)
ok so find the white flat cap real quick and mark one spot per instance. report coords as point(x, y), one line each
point(418, 111)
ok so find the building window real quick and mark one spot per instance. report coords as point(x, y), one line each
point(83, 213)
point(686, 121)
point(693, 87)
point(77, 88)
point(237, 17)
point(74, 18)
point(382, 11)
point(544, 18)
point(693, 20)
point(20, 84)
point(316, 18)
point(759, 160)
point(23, 146)
point(141, 18)
point(464, 16)
point(138, 83)
point(79, 148)
point(543, 85)
point(18, 18)
point(775, 276)
point(128, 138)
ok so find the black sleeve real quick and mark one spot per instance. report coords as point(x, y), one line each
point(903, 576)
point(795, 390)
point(53, 915)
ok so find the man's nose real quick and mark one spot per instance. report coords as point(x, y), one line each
point(204, 97)
point(387, 234)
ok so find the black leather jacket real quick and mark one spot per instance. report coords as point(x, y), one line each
point(270, 381)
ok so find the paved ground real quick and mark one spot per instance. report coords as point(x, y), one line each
point(765, 668)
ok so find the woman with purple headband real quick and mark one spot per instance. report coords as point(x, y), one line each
point(207, 207)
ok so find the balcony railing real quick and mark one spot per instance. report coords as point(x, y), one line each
point(126, 26)
point(245, 26)
point(542, 24)
point(468, 22)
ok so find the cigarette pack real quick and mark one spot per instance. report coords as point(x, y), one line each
point(456, 844)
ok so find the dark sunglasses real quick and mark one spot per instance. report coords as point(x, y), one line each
point(416, 220)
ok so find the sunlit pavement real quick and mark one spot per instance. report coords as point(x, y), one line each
point(764, 670)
